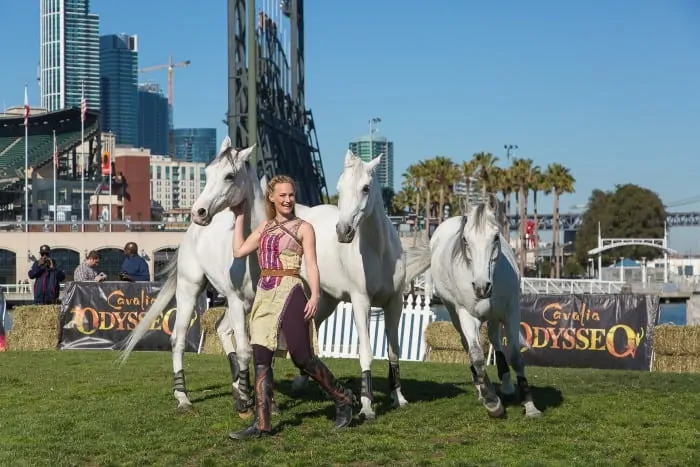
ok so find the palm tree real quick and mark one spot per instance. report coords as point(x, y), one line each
point(468, 170)
point(537, 184)
point(442, 174)
point(485, 164)
point(522, 175)
point(505, 186)
point(559, 181)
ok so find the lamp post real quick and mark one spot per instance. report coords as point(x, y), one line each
point(372, 123)
point(510, 148)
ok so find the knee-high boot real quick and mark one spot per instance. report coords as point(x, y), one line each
point(261, 419)
point(343, 397)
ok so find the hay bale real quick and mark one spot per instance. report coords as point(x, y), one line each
point(210, 319)
point(447, 356)
point(442, 335)
point(677, 340)
point(676, 363)
point(34, 327)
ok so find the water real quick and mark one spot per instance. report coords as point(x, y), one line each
point(671, 313)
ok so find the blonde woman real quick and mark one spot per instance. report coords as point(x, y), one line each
point(281, 315)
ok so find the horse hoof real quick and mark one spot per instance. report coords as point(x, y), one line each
point(495, 410)
point(531, 411)
point(246, 415)
point(367, 415)
point(298, 384)
point(185, 409)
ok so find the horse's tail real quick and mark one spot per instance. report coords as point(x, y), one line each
point(164, 296)
point(417, 261)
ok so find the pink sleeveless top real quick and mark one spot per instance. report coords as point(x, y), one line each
point(280, 249)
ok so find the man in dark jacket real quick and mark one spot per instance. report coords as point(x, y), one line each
point(47, 278)
point(134, 268)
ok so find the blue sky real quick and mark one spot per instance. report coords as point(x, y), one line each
point(609, 89)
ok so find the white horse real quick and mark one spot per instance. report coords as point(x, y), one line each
point(205, 255)
point(360, 260)
point(474, 272)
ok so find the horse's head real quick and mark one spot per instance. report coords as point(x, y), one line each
point(228, 183)
point(357, 190)
point(479, 245)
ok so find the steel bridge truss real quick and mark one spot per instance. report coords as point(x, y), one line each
point(573, 221)
point(275, 109)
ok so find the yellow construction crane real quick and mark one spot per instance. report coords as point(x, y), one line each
point(170, 67)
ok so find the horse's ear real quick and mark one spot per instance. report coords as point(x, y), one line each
point(225, 146)
point(263, 183)
point(349, 158)
point(244, 154)
point(371, 165)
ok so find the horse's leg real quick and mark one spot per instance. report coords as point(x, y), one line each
point(470, 329)
point(494, 330)
point(392, 319)
point(516, 359)
point(185, 296)
point(239, 358)
point(360, 314)
point(326, 307)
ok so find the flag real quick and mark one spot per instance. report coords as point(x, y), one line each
point(26, 107)
point(83, 104)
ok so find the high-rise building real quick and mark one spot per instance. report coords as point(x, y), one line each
point(119, 87)
point(69, 54)
point(175, 184)
point(195, 144)
point(153, 119)
point(369, 147)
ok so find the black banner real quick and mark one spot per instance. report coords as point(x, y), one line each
point(607, 331)
point(102, 315)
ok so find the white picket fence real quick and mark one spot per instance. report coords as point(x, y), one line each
point(337, 336)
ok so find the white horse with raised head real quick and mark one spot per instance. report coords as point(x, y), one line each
point(360, 260)
point(475, 273)
point(205, 256)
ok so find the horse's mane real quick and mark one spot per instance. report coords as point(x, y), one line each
point(481, 216)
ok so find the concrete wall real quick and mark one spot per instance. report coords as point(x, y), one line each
point(23, 244)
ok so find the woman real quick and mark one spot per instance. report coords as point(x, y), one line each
point(280, 319)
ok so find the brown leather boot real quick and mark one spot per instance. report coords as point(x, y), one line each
point(261, 420)
point(344, 398)
point(274, 409)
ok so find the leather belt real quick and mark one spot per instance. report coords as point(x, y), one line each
point(279, 272)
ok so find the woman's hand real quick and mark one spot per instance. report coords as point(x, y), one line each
point(311, 308)
point(239, 209)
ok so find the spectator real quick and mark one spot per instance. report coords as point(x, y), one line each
point(87, 270)
point(134, 268)
point(47, 278)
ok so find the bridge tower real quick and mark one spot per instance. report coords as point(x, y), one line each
point(266, 90)
point(610, 243)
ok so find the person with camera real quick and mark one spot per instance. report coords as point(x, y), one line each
point(87, 270)
point(47, 278)
point(134, 268)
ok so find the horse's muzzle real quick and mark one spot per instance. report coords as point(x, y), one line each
point(482, 290)
point(345, 233)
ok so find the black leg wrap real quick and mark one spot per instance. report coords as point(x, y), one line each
point(475, 378)
point(394, 376)
point(524, 389)
point(244, 387)
point(233, 364)
point(366, 390)
point(501, 364)
point(179, 382)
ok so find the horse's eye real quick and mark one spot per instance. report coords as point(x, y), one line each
point(497, 238)
point(230, 177)
point(365, 189)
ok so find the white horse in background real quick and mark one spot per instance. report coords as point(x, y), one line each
point(360, 260)
point(205, 255)
point(475, 273)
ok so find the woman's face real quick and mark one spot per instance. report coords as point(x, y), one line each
point(283, 198)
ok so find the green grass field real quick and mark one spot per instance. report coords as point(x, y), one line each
point(78, 408)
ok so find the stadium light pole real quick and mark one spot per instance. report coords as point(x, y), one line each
point(510, 148)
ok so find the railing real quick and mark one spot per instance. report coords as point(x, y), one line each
point(22, 292)
point(337, 336)
point(93, 226)
point(534, 285)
